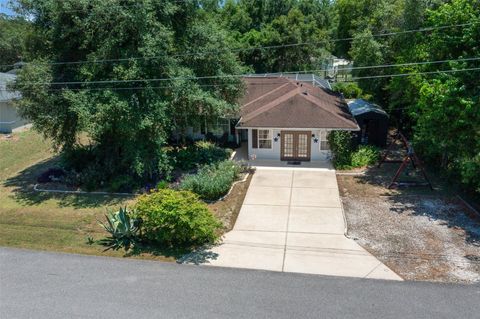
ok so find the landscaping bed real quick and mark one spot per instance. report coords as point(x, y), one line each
point(70, 222)
point(227, 209)
point(418, 233)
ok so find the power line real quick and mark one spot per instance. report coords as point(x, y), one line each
point(210, 77)
point(407, 74)
point(260, 84)
point(246, 49)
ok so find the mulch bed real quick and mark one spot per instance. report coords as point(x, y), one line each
point(227, 210)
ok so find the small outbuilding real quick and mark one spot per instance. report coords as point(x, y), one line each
point(373, 122)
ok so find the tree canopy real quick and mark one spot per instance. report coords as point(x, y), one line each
point(136, 82)
point(112, 96)
point(13, 35)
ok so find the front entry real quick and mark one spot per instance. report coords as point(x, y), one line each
point(296, 145)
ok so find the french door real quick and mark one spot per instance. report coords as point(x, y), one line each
point(296, 145)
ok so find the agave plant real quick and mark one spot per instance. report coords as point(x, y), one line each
point(123, 229)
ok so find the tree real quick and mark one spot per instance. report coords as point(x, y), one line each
point(446, 116)
point(13, 34)
point(276, 25)
point(366, 51)
point(120, 103)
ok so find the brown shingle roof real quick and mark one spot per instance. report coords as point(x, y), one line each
point(285, 103)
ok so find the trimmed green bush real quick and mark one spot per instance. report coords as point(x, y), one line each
point(200, 153)
point(345, 155)
point(342, 148)
point(176, 218)
point(212, 181)
point(365, 155)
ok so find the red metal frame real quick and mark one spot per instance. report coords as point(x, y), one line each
point(411, 157)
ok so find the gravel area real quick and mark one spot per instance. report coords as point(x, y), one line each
point(423, 236)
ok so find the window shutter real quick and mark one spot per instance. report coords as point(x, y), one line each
point(254, 138)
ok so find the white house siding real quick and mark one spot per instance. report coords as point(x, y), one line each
point(9, 118)
point(274, 153)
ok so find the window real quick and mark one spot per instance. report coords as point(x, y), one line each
point(324, 146)
point(219, 127)
point(264, 139)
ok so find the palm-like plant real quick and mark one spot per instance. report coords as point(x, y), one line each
point(123, 230)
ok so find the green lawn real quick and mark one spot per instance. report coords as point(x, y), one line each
point(54, 222)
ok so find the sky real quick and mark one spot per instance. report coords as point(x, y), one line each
point(3, 9)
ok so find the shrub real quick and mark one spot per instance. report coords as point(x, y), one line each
point(176, 218)
point(162, 185)
point(350, 90)
point(51, 175)
point(122, 184)
point(469, 168)
point(342, 148)
point(200, 153)
point(212, 181)
point(365, 155)
point(122, 228)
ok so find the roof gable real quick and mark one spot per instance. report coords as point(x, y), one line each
point(285, 103)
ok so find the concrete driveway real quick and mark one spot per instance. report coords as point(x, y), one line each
point(292, 221)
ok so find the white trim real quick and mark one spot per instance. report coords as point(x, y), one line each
point(237, 126)
point(296, 128)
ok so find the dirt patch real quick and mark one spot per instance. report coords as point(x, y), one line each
point(227, 210)
point(9, 137)
point(420, 234)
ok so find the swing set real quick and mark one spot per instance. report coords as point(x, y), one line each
point(409, 158)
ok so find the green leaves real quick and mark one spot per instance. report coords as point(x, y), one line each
point(123, 229)
point(176, 218)
point(127, 119)
point(212, 181)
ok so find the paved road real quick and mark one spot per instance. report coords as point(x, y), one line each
point(48, 285)
point(292, 221)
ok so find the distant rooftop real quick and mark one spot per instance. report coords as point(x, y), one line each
point(301, 77)
point(6, 95)
point(360, 106)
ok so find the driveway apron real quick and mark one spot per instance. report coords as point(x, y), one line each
point(292, 221)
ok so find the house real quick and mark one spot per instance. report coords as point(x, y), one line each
point(373, 122)
point(286, 119)
point(9, 118)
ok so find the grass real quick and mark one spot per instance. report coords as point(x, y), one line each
point(64, 222)
point(54, 222)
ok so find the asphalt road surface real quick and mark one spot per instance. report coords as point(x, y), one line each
point(50, 285)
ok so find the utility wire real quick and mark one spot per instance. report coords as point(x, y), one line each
point(246, 49)
point(407, 74)
point(260, 84)
point(210, 77)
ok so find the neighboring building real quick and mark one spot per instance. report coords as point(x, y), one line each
point(373, 122)
point(289, 120)
point(301, 77)
point(9, 118)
